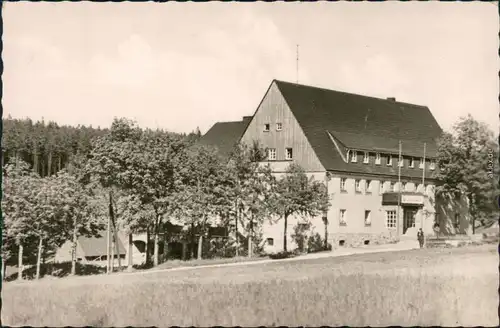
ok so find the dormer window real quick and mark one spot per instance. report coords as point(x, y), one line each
point(354, 156)
point(421, 165)
point(267, 127)
point(279, 126)
point(343, 184)
point(411, 162)
point(366, 157)
point(400, 162)
point(432, 165)
point(368, 186)
point(389, 160)
point(377, 158)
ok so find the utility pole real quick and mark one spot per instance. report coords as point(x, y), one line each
point(423, 186)
point(297, 68)
point(399, 186)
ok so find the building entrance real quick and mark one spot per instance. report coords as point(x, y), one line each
point(409, 215)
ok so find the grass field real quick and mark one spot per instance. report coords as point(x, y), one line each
point(446, 287)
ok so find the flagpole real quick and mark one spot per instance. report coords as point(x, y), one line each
point(423, 185)
point(399, 185)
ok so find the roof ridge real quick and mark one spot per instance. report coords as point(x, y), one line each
point(350, 93)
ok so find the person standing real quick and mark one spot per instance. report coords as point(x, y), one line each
point(420, 237)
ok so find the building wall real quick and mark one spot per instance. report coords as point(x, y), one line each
point(355, 232)
point(63, 254)
point(273, 109)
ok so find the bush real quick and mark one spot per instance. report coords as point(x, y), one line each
point(317, 244)
point(281, 255)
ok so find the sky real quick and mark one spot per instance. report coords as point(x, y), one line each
point(179, 66)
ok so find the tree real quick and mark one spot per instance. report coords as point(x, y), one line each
point(253, 188)
point(296, 194)
point(467, 165)
point(202, 190)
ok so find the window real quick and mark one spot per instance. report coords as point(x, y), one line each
point(411, 162)
point(405, 186)
point(354, 156)
point(267, 127)
point(401, 162)
point(432, 165)
point(389, 160)
point(343, 184)
point(422, 164)
point(279, 126)
point(391, 186)
point(456, 222)
point(271, 154)
point(270, 241)
point(288, 153)
point(390, 219)
point(368, 185)
point(357, 184)
point(368, 219)
point(343, 218)
point(377, 158)
point(381, 187)
point(366, 157)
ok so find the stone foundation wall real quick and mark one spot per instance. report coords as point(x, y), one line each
point(359, 239)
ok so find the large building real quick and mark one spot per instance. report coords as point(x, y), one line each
point(351, 142)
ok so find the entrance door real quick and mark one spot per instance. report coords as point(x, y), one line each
point(409, 218)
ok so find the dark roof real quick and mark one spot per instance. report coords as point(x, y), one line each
point(224, 135)
point(360, 122)
point(98, 246)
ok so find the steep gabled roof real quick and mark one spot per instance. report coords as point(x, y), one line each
point(359, 122)
point(224, 135)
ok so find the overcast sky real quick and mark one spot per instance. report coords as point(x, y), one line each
point(183, 65)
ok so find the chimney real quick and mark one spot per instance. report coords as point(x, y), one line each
point(391, 99)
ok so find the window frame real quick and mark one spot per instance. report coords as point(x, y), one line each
point(421, 164)
point(289, 158)
point(378, 159)
point(357, 186)
point(366, 157)
point(343, 186)
point(411, 162)
point(343, 217)
point(391, 220)
point(279, 126)
point(354, 156)
point(369, 222)
point(267, 127)
point(389, 160)
point(269, 151)
point(368, 186)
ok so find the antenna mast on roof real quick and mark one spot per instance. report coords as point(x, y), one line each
point(297, 68)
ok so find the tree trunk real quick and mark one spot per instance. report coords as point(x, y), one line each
point(130, 252)
point(148, 250)
point(285, 233)
point(3, 268)
point(59, 164)
point(20, 263)
point(165, 246)
point(113, 253)
point(39, 258)
point(73, 249)
point(250, 236)
point(200, 245)
point(108, 247)
point(117, 248)
point(326, 231)
point(192, 242)
point(49, 164)
point(184, 250)
point(156, 249)
point(236, 230)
